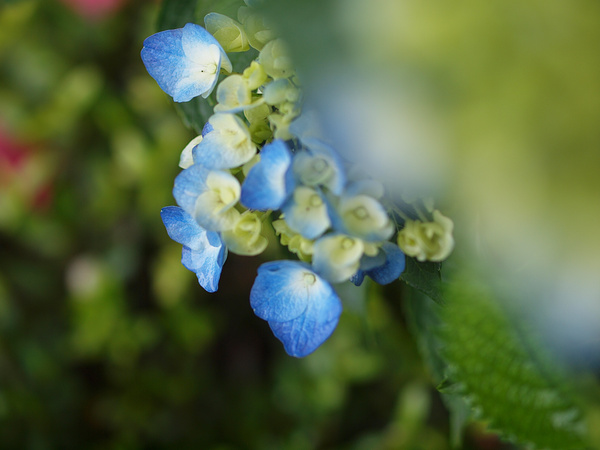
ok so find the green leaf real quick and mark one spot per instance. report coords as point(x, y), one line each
point(176, 13)
point(423, 317)
point(504, 374)
point(424, 277)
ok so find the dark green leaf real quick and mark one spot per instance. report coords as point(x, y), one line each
point(423, 316)
point(425, 277)
point(505, 376)
point(176, 13)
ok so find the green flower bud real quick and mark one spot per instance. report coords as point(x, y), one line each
point(259, 125)
point(275, 60)
point(364, 217)
point(245, 238)
point(260, 131)
point(255, 75)
point(257, 31)
point(257, 113)
point(295, 242)
point(429, 241)
point(280, 91)
point(337, 257)
point(233, 93)
point(228, 32)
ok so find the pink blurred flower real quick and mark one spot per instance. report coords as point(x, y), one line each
point(25, 173)
point(94, 9)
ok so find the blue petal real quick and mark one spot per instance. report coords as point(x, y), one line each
point(189, 184)
point(393, 267)
point(280, 291)
point(267, 186)
point(306, 333)
point(207, 128)
point(338, 181)
point(203, 252)
point(183, 228)
point(302, 309)
point(173, 67)
point(358, 278)
point(207, 264)
point(162, 55)
point(215, 152)
point(311, 222)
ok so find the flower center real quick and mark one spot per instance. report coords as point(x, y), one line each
point(226, 196)
point(315, 201)
point(309, 278)
point(319, 165)
point(361, 213)
point(347, 243)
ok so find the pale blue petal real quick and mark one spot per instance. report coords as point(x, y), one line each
point(358, 278)
point(207, 128)
point(216, 152)
point(309, 222)
point(171, 58)
point(301, 308)
point(280, 291)
point(194, 38)
point(393, 267)
point(183, 228)
point(338, 181)
point(306, 333)
point(164, 58)
point(267, 186)
point(204, 253)
point(189, 184)
point(207, 264)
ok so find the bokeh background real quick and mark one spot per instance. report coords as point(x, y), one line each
point(107, 342)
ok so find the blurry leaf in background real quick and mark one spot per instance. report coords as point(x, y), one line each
point(505, 376)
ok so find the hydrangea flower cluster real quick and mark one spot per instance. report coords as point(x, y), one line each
point(259, 163)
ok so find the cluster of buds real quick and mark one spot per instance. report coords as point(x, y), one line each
point(259, 163)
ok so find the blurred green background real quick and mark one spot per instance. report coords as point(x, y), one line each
point(106, 341)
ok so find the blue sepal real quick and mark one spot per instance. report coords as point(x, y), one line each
point(268, 182)
point(358, 278)
point(184, 62)
point(338, 180)
point(301, 308)
point(206, 264)
point(310, 222)
point(204, 253)
point(207, 128)
point(394, 265)
point(189, 184)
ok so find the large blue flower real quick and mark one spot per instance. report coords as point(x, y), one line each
point(301, 308)
point(203, 251)
point(185, 62)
